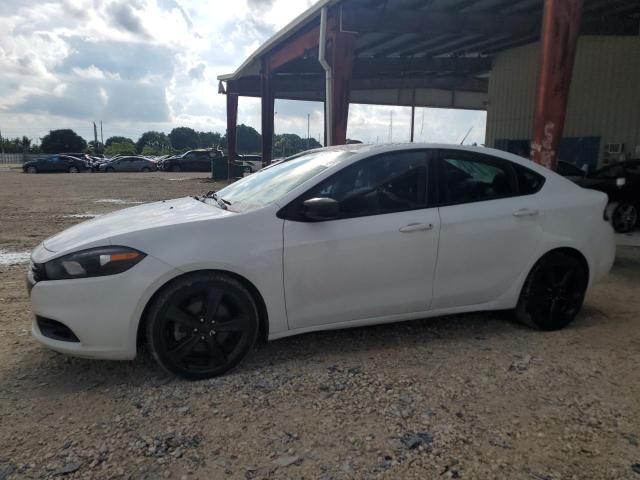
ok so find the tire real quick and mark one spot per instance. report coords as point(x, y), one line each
point(202, 325)
point(32, 170)
point(554, 292)
point(110, 170)
point(624, 217)
point(145, 170)
point(74, 170)
point(176, 168)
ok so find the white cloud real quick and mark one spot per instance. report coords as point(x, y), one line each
point(152, 64)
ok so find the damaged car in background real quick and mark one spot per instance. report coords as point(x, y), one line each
point(335, 238)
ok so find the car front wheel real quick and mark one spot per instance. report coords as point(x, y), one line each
point(32, 170)
point(554, 292)
point(624, 217)
point(73, 170)
point(202, 325)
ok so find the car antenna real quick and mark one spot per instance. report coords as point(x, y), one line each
point(465, 137)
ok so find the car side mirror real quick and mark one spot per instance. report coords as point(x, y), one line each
point(621, 182)
point(321, 209)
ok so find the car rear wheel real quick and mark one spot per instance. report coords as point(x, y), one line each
point(74, 170)
point(624, 217)
point(554, 292)
point(32, 170)
point(202, 325)
point(176, 168)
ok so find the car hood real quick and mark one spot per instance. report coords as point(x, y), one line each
point(152, 215)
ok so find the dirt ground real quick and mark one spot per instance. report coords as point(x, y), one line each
point(472, 396)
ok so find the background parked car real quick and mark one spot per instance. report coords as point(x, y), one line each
point(221, 170)
point(56, 163)
point(252, 161)
point(621, 181)
point(129, 164)
point(570, 171)
point(192, 161)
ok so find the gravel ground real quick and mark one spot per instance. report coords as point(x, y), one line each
point(471, 396)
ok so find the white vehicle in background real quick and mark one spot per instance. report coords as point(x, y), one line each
point(335, 238)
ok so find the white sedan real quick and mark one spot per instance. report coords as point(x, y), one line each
point(339, 237)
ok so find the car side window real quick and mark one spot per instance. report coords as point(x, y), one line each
point(465, 177)
point(378, 185)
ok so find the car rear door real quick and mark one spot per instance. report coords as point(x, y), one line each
point(377, 259)
point(489, 214)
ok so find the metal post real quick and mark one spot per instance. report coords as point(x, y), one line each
point(558, 45)
point(413, 115)
point(232, 121)
point(268, 104)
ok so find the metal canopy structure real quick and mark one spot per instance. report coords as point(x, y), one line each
point(431, 53)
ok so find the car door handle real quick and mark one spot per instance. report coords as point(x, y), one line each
point(417, 227)
point(526, 212)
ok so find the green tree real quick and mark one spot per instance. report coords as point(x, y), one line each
point(124, 148)
point(117, 139)
point(288, 144)
point(184, 138)
point(65, 140)
point(208, 139)
point(157, 150)
point(156, 140)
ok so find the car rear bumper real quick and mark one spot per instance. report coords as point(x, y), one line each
point(102, 313)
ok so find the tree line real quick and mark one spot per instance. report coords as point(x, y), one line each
point(180, 139)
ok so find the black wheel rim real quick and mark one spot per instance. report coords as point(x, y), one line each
point(557, 291)
point(625, 218)
point(204, 329)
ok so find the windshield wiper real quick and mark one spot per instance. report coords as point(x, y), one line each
point(222, 203)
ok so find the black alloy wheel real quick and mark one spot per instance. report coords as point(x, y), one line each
point(554, 292)
point(202, 325)
point(625, 218)
point(74, 169)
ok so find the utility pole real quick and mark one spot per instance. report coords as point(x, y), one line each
point(101, 136)
point(308, 129)
point(390, 126)
point(95, 138)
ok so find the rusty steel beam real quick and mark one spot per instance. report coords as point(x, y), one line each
point(341, 59)
point(232, 122)
point(397, 22)
point(267, 112)
point(559, 41)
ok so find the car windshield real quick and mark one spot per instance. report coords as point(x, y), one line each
point(269, 185)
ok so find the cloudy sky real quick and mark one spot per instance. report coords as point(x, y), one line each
point(139, 65)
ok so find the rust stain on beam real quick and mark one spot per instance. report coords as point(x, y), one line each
point(560, 30)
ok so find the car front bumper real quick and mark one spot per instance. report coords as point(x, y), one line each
point(102, 312)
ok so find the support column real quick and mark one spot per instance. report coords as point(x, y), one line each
point(268, 103)
point(232, 122)
point(413, 115)
point(342, 52)
point(558, 45)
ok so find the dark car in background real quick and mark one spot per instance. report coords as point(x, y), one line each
point(128, 164)
point(222, 170)
point(192, 161)
point(56, 164)
point(252, 161)
point(621, 182)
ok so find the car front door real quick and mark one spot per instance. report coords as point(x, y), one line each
point(490, 227)
point(377, 258)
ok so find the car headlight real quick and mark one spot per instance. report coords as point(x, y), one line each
point(95, 262)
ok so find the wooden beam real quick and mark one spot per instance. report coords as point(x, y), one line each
point(560, 30)
point(367, 20)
